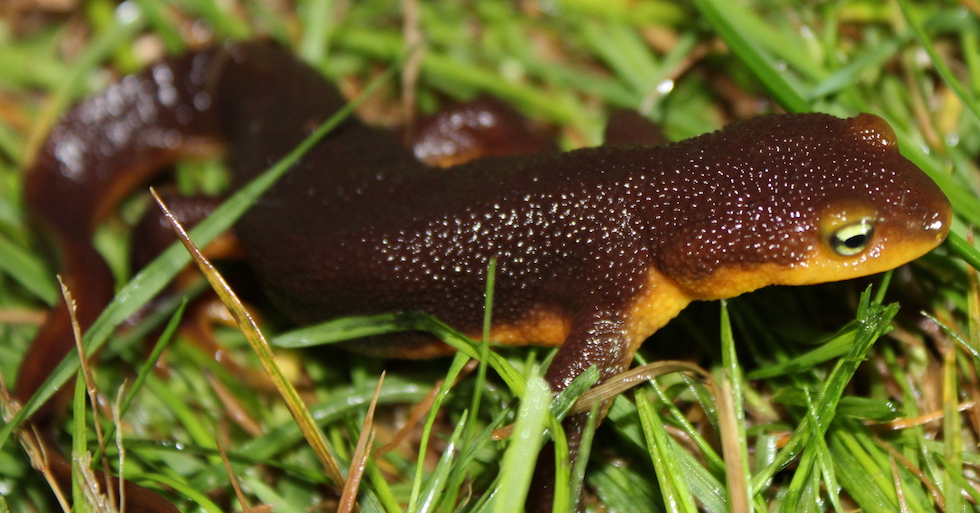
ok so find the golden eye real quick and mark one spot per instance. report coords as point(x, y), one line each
point(852, 238)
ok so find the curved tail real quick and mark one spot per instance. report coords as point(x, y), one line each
point(100, 150)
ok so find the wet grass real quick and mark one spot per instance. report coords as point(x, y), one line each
point(821, 398)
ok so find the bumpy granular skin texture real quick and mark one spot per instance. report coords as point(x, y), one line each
point(595, 248)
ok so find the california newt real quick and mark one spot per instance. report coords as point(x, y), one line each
point(596, 248)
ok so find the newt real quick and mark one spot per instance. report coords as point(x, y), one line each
point(596, 248)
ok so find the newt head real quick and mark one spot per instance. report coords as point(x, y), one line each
point(833, 200)
point(897, 216)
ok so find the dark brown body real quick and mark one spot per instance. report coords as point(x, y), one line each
point(596, 248)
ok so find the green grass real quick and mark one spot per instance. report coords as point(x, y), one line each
point(819, 394)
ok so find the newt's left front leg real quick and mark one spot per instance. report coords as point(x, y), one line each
point(606, 334)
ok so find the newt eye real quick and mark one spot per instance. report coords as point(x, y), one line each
point(851, 239)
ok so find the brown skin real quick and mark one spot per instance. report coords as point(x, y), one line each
point(484, 127)
point(596, 248)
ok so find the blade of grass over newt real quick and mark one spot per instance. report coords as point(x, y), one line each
point(620, 383)
point(262, 349)
point(348, 328)
point(154, 277)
